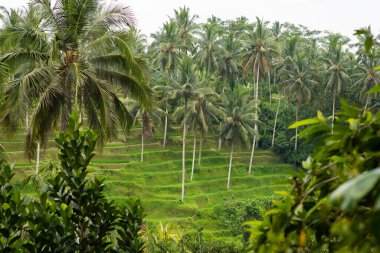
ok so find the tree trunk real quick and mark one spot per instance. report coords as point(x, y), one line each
point(366, 103)
point(192, 165)
point(275, 121)
point(257, 104)
point(230, 168)
point(296, 139)
point(270, 91)
point(166, 126)
point(26, 121)
point(200, 151)
point(220, 136)
point(183, 162)
point(333, 114)
point(67, 107)
point(38, 157)
point(252, 152)
point(142, 139)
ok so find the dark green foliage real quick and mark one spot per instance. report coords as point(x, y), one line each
point(72, 215)
point(335, 202)
point(233, 214)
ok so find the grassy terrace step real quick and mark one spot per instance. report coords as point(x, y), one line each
point(157, 181)
point(201, 185)
point(193, 203)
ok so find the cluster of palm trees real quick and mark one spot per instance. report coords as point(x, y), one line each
point(216, 76)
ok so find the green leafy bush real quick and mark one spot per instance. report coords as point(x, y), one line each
point(335, 202)
point(72, 214)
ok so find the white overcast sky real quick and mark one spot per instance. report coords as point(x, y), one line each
point(343, 16)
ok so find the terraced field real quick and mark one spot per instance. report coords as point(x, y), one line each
point(157, 180)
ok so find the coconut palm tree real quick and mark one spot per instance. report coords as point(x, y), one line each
point(200, 115)
point(229, 54)
point(71, 57)
point(208, 47)
point(368, 77)
point(239, 124)
point(148, 117)
point(298, 82)
point(256, 59)
point(166, 48)
point(186, 28)
point(336, 69)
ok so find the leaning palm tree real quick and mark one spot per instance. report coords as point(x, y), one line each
point(337, 70)
point(298, 82)
point(71, 58)
point(238, 127)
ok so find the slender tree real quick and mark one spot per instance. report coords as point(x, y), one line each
point(239, 125)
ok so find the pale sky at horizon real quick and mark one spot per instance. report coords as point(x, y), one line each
point(342, 16)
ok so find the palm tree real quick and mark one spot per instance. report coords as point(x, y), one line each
point(200, 115)
point(184, 89)
point(166, 48)
point(298, 82)
point(149, 117)
point(72, 57)
point(186, 28)
point(208, 47)
point(368, 77)
point(337, 70)
point(229, 59)
point(239, 125)
point(259, 49)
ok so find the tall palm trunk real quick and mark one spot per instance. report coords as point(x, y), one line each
point(200, 151)
point(252, 152)
point(220, 136)
point(230, 168)
point(270, 90)
point(275, 121)
point(26, 120)
point(142, 139)
point(166, 126)
point(296, 139)
point(366, 102)
point(67, 106)
point(257, 103)
point(38, 157)
point(183, 162)
point(254, 143)
point(192, 164)
point(333, 113)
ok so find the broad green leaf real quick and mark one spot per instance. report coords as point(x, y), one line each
point(304, 122)
point(377, 203)
point(375, 89)
point(354, 123)
point(349, 194)
point(377, 68)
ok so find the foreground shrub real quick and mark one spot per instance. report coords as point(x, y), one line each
point(72, 214)
point(335, 202)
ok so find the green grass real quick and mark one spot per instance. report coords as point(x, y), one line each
point(157, 181)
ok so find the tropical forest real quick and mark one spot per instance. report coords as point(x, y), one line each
point(214, 135)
